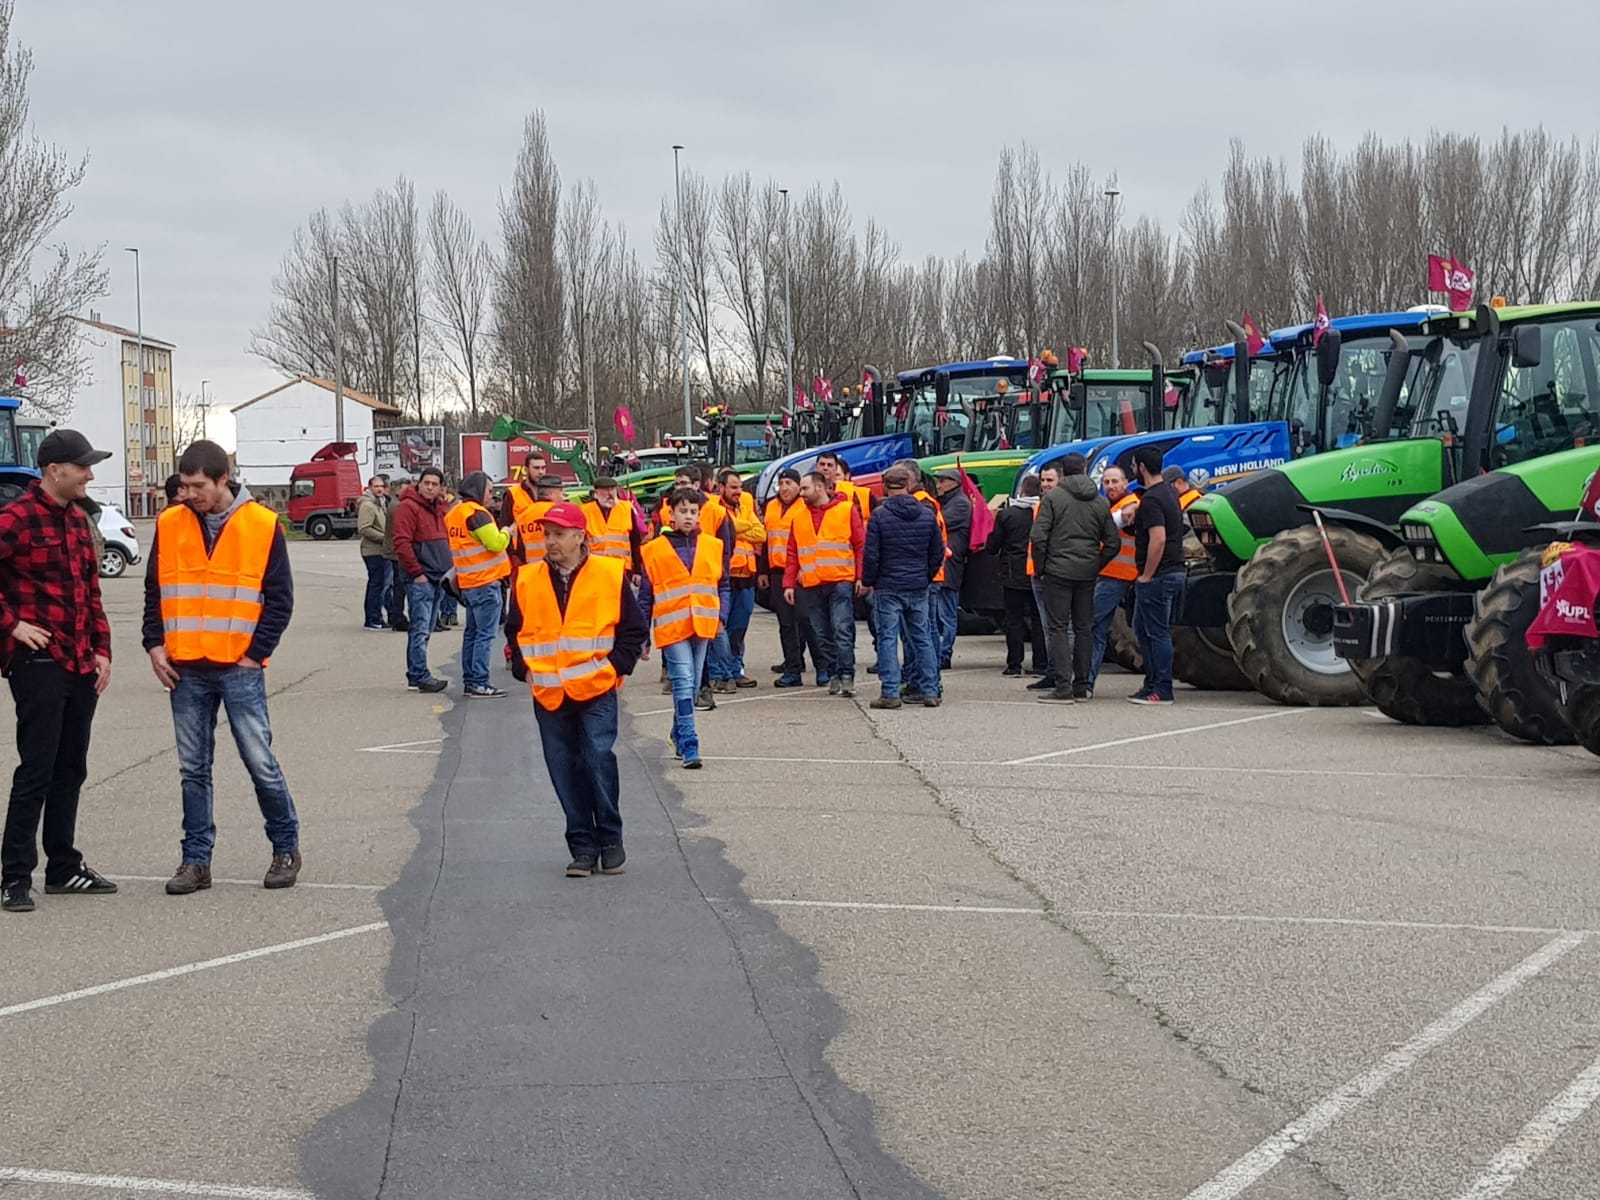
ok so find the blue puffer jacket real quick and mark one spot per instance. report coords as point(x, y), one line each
point(904, 549)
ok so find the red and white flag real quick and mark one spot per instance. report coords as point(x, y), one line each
point(1077, 356)
point(801, 400)
point(1035, 372)
point(21, 380)
point(769, 431)
point(866, 389)
point(822, 389)
point(1254, 342)
point(1452, 276)
point(1321, 325)
point(623, 420)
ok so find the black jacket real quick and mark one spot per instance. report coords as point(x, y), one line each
point(1009, 542)
point(958, 528)
point(1073, 536)
point(903, 549)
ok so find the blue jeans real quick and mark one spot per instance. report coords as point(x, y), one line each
point(831, 609)
point(579, 740)
point(377, 589)
point(445, 610)
point(1108, 597)
point(727, 654)
point(685, 661)
point(1154, 604)
point(905, 612)
point(195, 701)
point(483, 618)
point(948, 601)
point(1044, 623)
point(422, 598)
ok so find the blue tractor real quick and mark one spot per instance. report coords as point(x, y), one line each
point(16, 470)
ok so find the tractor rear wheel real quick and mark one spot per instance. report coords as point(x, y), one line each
point(1584, 715)
point(1406, 689)
point(1280, 615)
point(1519, 699)
point(1203, 658)
point(1122, 647)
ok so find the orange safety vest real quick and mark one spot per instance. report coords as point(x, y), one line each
point(1123, 565)
point(687, 604)
point(567, 655)
point(1035, 517)
point(826, 555)
point(779, 521)
point(743, 563)
point(476, 565)
point(859, 496)
point(932, 502)
point(1189, 498)
point(610, 533)
point(211, 604)
point(529, 513)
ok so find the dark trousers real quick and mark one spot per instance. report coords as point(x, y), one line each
point(579, 741)
point(829, 608)
point(397, 592)
point(1024, 629)
point(380, 586)
point(1069, 607)
point(55, 709)
point(794, 634)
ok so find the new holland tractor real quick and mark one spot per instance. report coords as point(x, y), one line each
point(1437, 634)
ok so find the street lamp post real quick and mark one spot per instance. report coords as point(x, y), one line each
point(683, 296)
point(788, 311)
point(1116, 357)
point(138, 369)
point(205, 409)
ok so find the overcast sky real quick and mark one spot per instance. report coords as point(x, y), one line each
point(213, 128)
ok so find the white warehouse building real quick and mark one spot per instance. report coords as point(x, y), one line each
point(284, 427)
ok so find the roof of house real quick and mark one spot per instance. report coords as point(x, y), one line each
point(148, 339)
point(350, 394)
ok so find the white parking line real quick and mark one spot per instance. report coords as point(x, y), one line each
point(1151, 737)
point(404, 747)
point(796, 694)
point(226, 960)
point(1537, 1136)
point(255, 883)
point(162, 1187)
point(868, 906)
point(1236, 1178)
point(1168, 768)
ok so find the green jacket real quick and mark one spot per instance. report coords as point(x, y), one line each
point(1073, 536)
point(372, 525)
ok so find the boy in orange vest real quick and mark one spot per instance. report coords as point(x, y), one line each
point(684, 595)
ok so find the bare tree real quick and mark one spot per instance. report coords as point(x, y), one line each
point(188, 419)
point(460, 268)
point(41, 285)
point(528, 306)
point(749, 267)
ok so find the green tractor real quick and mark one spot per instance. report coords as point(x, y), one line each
point(1437, 635)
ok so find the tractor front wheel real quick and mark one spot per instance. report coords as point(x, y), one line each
point(1521, 700)
point(1122, 647)
point(1583, 713)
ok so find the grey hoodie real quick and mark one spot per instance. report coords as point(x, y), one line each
point(1073, 536)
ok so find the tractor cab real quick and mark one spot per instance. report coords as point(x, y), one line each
point(16, 463)
point(940, 406)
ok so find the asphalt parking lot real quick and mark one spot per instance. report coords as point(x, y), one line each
point(997, 949)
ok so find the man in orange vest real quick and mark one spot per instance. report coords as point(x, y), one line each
point(735, 506)
point(833, 469)
point(478, 556)
point(579, 631)
point(824, 570)
point(1117, 577)
point(613, 532)
point(218, 595)
point(684, 595)
point(794, 631)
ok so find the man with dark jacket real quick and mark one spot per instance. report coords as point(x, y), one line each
point(1009, 542)
point(1073, 537)
point(957, 510)
point(903, 553)
point(423, 549)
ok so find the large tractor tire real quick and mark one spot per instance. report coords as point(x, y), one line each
point(1405, 689)
point(1513, 692)
point(1203, 658)
point(1584, 716)
point(1280, 616)
point(1122, 647)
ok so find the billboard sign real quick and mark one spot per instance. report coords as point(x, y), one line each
point(402, 451)
point(502, 461)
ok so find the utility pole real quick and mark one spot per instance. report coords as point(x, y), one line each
point(788, 313)
point(683, 296)
point(1116, 358)
point(416, 329)
point(338, 359)
point(205, 409)
point(138, 372)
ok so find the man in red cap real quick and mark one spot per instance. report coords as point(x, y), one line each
point(578, 631)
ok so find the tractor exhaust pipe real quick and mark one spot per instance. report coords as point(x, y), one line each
point(1393, 380)
point(1241, 373)
point(1158, 388)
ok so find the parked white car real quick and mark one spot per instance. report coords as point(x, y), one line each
point(121, 542)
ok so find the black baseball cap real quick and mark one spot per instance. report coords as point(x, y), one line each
point(69, 446)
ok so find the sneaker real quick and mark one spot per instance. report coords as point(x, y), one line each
point(190, 877)
point(1012, 672)
point(703, 700)
point(283, 871)
point(822, 679)
point(847, 685)
point(691, 764)
point(16, 897)
point(788, 681)
point(887, 702)
point(485, 693)
point(744, 681)
point(1147, 698)
point(835, 686)
point(430, 686)
point(400, 625)
point(944, 664)
point(932, 701)
point(1083, 694)
point(872, 668)
point(779, 668)
point(911, 695)
point(82, 882)
point(1057, 697)
point(666, 687)
point(376, 627)
point(1045, 683)
point(612, 858)
point(581, 867)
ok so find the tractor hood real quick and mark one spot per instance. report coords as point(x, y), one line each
point(864, 456)
point(1089, 447)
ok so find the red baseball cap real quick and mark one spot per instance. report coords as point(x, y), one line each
point(565, 514)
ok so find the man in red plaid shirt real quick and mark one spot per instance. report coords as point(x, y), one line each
point(56, 653)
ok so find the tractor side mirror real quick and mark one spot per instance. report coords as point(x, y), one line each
point(1527, 347)
point(1077, 397)
point(1328, 357)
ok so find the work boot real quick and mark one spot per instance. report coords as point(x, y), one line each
point(887, 702)
point(848, 685)
point(704, 701)
point(666, 687)
point(190, 877)
point(932, 701)
point(283, 871)
point(744, 681)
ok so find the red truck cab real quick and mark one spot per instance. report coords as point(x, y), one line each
point(325, 493)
